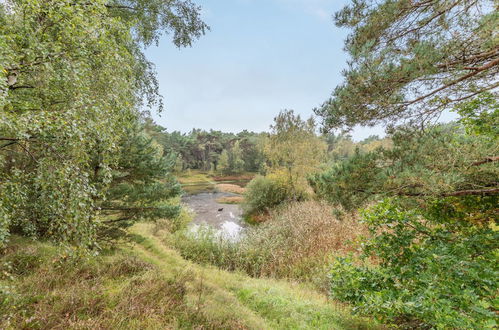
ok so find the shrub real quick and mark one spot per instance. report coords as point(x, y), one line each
point(432, 271)
point(263, 194)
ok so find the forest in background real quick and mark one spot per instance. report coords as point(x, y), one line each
point(403, 230)
point(236, 153)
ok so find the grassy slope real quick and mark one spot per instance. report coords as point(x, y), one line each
point(149, 286)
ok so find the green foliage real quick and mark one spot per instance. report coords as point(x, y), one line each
point(442, 161)
point(214, 150)
point(481, 115)
point(142, 186)
point(231, 160)
point(293, 147)
point(223, 162)
point(349, 183)
point(56, 102)
point(432, 269)
point(431, 257)
point(151, 18)
point(412, 60)
point(264, 193)
point(72, 76)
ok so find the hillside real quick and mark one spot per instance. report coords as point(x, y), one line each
point(146, 285)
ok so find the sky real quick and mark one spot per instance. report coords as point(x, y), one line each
point(260, 57)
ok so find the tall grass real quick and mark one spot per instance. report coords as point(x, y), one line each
point(148, 286)
point(40, 288)
point(297, 241)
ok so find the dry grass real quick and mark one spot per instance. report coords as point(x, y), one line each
point(313, 228)
point(231, 200)
point(302, 239)
point(297, 241)
point(239, 177)
point(145, 285)
point(230, 188)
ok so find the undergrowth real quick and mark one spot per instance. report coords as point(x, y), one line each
point(298, 240)
point(145, 285)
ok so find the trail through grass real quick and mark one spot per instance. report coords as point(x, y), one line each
point(257, 303)
point(147, 285)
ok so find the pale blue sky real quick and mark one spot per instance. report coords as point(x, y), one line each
point(261, 56)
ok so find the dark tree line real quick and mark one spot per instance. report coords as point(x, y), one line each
point(212, 150)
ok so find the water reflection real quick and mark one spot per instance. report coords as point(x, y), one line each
point(226, 219)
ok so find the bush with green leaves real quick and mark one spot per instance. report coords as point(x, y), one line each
point(433, 270)
point(442, 161)
point(265, 193)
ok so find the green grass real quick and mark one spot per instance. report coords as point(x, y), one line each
point(210, 177)
point(195, 177)
point(146, 285)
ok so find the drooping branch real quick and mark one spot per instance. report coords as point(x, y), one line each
point(470, 192)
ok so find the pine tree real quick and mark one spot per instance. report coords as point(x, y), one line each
point(142, 185)
point(410, 60)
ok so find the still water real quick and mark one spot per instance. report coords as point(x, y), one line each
point(226, 219)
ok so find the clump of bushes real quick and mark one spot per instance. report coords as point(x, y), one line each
point(432, 272)
point(298, 241)
point(264, 193)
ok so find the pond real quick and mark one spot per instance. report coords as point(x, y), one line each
point(226, 219)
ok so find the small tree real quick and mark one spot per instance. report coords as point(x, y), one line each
point(142, 185)
point(293, 147)
point(237, 162)
point(223, 162)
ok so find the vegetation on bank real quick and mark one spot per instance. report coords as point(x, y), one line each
point(146, 285)
point(297, 241)
point(200, 177)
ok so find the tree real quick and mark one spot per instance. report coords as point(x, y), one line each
point(236, 158)
point(72, 78)
point(434, 233)
point(252, 150)
point(293, 146)
point(410, 60)
point(223, 162)
point(441, 162)
point(142, 186)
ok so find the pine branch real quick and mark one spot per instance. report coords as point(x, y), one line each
point(484, 67)
point(471, 192)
